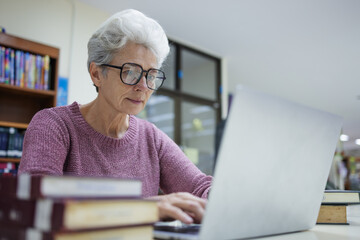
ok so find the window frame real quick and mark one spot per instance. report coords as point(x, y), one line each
point(179, 96)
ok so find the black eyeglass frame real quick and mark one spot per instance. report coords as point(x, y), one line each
point(142, 72)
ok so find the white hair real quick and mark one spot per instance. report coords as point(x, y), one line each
point(128, 25)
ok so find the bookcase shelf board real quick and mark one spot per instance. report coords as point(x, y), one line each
point(13, 124)
point(21, 108)
point(13, 160)
point(26, 91)
point(28, 45)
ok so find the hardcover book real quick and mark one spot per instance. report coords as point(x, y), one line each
point(341, 196)
point(129, 233)
point(338, 213)
point(27, 186)
point(71, 214)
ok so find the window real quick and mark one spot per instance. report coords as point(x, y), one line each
point(187, 107)
point(160, 111)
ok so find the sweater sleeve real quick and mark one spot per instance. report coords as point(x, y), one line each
point(178, 173)
point(46, 144)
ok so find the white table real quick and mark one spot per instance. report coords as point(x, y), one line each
point(324, 232)
point(321, 232)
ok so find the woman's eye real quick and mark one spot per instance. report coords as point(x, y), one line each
point(151, 77)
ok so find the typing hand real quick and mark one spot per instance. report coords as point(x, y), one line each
point(181, 206)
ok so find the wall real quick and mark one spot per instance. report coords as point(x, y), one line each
point(68, 25)
point(65, 24)
point(86, 20)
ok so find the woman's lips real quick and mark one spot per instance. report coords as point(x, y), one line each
point(135, 101)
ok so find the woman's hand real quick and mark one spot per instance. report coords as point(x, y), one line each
point(181, 206)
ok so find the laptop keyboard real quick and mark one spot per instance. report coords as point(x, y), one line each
point(177, 227)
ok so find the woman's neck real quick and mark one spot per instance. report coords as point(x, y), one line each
point(104, 120)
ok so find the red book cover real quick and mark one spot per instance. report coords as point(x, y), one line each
point(8, 165)
point(136, 232)
point(71, 214)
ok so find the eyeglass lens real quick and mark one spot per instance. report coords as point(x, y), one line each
point(132, 73)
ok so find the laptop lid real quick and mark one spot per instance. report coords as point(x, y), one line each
point(272, 167)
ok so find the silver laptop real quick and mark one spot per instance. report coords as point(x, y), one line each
point(271, 171)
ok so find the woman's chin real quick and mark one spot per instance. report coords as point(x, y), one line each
point(134, 111)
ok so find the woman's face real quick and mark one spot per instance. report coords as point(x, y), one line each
point(126, 98)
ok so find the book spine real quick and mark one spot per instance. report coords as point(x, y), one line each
point(7, 66)
point(40, 77)
point(32, 71)
point(12, 66)
point(22, 69)
point(4, 137)
point(23, 187)
point(17, 67)
point(46, 72)
point(26, 69)
point(21, 143)
point(34, 234)
point(28, 187)
point(2, 64)
point(7, 169)
point(8, 172)
point(49, 215)
point(10, 166)
point(11, 152)
point(38, 73)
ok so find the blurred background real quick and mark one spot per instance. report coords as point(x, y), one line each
point(306, 51)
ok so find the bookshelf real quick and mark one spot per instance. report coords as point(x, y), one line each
point(19, 104)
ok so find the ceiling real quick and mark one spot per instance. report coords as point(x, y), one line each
point(307, 51)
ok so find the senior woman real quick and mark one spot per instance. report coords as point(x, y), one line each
point(104, 138)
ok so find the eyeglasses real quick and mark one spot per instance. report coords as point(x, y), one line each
point(131, 73)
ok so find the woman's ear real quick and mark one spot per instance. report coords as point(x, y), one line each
point(95, 74)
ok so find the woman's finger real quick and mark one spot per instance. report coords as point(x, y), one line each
point(188, 196)
point(170, 211)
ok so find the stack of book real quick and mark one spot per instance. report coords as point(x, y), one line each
point(70, 207)
point(339, 207)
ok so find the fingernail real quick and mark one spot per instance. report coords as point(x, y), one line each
point(189, 219)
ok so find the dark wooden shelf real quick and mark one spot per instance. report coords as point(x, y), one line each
point(27, 91)
point(28, 45)
point(13, 124)
point(13, 160)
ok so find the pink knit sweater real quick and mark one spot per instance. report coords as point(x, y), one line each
point(59, 141)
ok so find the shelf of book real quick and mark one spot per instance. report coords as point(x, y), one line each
point(28, 84)
point(28, 78)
